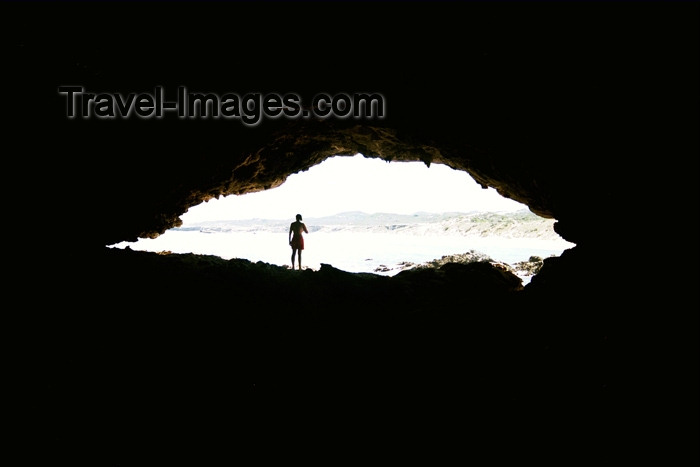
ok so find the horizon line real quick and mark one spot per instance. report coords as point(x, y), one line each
point(366, 214)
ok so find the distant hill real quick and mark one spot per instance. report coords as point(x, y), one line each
point(518, 224)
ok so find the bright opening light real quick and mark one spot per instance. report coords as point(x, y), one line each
point(356, 183)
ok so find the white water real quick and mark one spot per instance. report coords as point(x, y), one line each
point(349, 251)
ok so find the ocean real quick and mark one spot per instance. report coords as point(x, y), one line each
point(348, 251)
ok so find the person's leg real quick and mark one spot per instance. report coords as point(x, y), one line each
point(294, 253)
point(299, 252)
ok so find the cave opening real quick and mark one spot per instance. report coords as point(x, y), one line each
point(367, 215)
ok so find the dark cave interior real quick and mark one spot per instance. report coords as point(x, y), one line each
point(586, 113)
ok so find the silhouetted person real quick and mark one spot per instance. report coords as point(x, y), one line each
point(296, 240)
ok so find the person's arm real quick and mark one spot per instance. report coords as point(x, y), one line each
point(304, 226)
point(290, 233)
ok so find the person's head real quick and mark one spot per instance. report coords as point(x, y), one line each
point(299, 217)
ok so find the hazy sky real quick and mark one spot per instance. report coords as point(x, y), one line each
point(356, 183)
